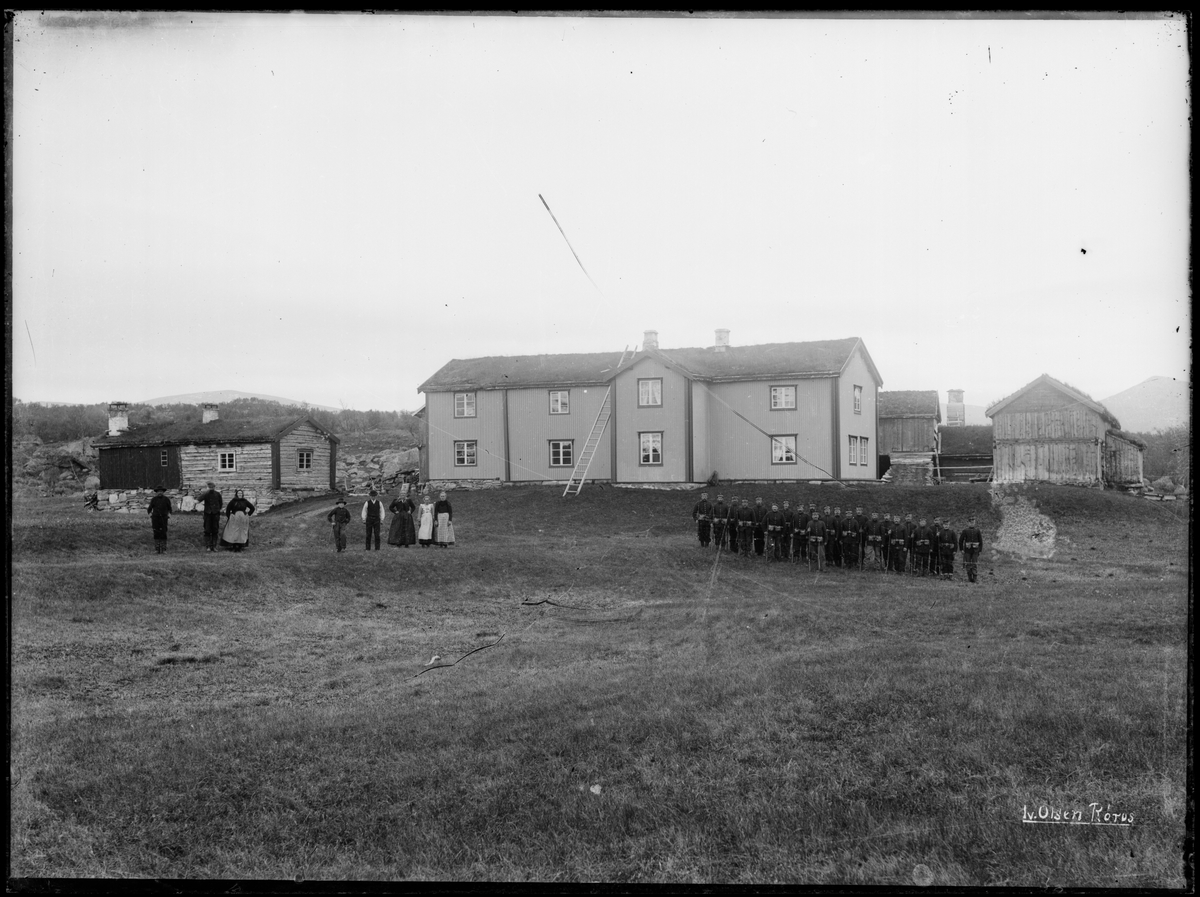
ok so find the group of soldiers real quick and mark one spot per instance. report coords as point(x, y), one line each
point(828, 539)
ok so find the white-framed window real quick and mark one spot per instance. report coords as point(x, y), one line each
point(560, 401)
point(465, 454)
point(862, 450)
point(783, 398)
point(464, 404)
point(562, 453)
point(304, 459)
point(858, 400)
point(163, 457)
point(226, 461)
point(854, 450)
point(650, 393)
point(651, 448)
point(783, 449)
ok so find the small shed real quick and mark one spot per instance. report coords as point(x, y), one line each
point(273, 460)
point(966, 453)
point(1052, 432)
point(908, 421)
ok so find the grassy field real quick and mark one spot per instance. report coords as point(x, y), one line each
point(645, 712)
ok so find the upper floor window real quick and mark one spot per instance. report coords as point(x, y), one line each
point(464, 404)
point(783, 397)
point(649, 393)
point(560, 401)
point(858, 400)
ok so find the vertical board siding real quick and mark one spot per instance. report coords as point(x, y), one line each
point(702, 465)
point(309, 438)
point(139, 467)
point(486, 429)
point(740, 452)
point(1123, 460)
point(1045, 435)
point(531, 426)
point(856, 373)
point(667, 419)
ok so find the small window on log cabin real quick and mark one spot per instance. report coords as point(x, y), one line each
point(162, 457)
point(226, 461)
point(304, 460)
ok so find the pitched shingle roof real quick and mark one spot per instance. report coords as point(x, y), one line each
point(909, 403)
point(811, 359)
point(819, 358)
point(217, 432)
point(973, 440)
point(512, 371)
point(1076, 396)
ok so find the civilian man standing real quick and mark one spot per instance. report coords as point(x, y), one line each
point(372, 515)
point(213, 505)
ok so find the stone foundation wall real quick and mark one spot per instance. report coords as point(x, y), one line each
point(911, 473)
point(135, 501)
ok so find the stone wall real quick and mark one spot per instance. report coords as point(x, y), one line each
point(135, 501)
point(910, 472)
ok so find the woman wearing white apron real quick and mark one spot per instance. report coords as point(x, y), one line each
point(425, 521)
point(237, 522)
point(443, 515)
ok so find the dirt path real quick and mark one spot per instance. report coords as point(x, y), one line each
point(1023, 529)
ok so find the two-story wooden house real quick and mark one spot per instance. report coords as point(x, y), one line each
point(782, 411)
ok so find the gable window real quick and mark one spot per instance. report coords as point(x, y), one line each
point(649, 393)
point(304, 459)
point(560, 401)
point(783, 398)
point(464, 454)
point(858, 400)
point(162, 457)
point(464, 404)
point(651, 448)
point(562, 453)
point(783, 449)
point(226, 461)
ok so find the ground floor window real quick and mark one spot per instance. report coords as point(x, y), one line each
point(651, 448)
point(854, 450)
point(464, 454)
point(562, 453)
point(304, 460)
point(226, 461)
point(162, 457)
point(858, 450)
point(783, 449)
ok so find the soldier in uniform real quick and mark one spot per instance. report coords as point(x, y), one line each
point(816, 535)
point(935, 559)
point(909, 529)
point(886, 531)
point(703, 514)
point(947, 543)
point(971, 543)
point(922, 546)
point(760, 533)
point(773, 525)
point(786, 544)
point(874, 542)
point(720, 516)
point(898, 540)
point(799, 534)
point(745, 526)
point(835, 536)
point(851, 537)
point(829, 536)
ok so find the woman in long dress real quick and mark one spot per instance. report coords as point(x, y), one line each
point(402, 532)
point(443, 514)
point(425, 518)
point(237, 522)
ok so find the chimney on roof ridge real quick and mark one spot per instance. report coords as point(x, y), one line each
point(956, 412)
point(650, 340)
point(209, 412)
point(721, 343)
point(118, 418)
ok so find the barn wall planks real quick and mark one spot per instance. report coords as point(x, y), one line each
point(139, 467)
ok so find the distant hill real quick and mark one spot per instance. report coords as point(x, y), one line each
point(975, 415)
point(1154, 404)
point(228, 395)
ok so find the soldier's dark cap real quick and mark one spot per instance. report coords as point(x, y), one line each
point(210, 483)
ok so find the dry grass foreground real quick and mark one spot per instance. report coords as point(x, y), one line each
point(669, 717)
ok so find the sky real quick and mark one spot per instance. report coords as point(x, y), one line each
point(331, 207)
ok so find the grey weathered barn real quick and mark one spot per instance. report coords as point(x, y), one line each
point(908, 434)
point(1049, 431)
point(272, 459)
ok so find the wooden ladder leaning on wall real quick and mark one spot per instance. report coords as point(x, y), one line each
point(579, 474)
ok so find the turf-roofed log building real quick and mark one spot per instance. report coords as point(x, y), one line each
point(274, 460)
point(908, 435)
point(1055, 433)
point(781, 411)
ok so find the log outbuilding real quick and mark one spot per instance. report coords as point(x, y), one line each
point(1052, 432)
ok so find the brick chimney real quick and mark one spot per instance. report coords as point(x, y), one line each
point(118, 418)
point(721, 343)
point(209, 410)
point(650, 340)
point(956, 412)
